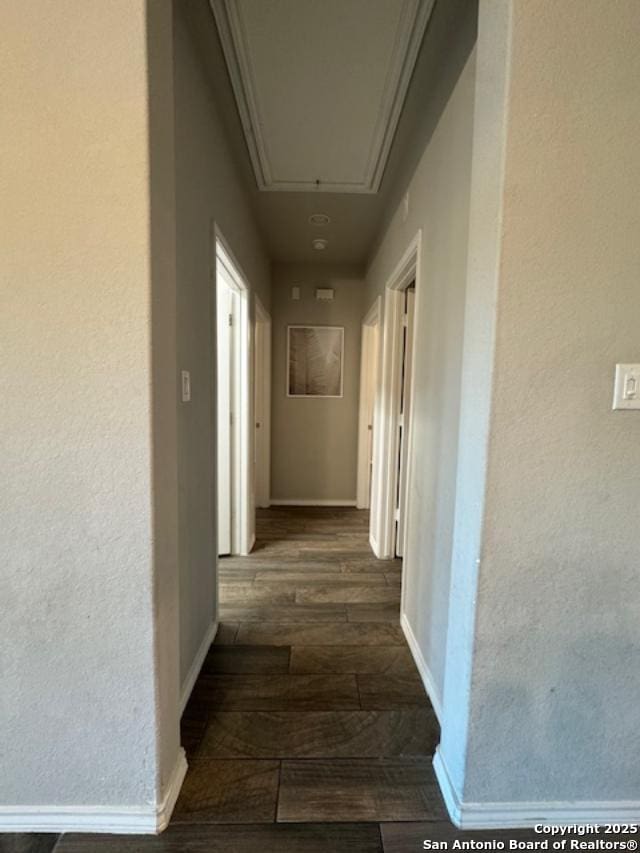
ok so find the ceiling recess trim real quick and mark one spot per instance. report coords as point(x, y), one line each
point(413, 23)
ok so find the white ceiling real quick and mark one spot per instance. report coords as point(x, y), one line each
point(320, 86)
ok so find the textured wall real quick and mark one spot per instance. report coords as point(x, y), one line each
point(87, 620)
point(554, 690)
point(314, 442)
point(207, 188)
point(439, 204)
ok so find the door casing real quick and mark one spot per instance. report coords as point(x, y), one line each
point(384, 489)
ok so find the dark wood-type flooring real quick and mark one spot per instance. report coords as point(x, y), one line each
point(308, 730)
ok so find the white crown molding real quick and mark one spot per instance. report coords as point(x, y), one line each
point(525, 815)
point(422, 667)
point(196, 666)
point(126, 820)
point(413, 23)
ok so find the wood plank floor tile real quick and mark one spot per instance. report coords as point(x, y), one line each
point(20, 842)
point(409, 837)
point(254, 660)
point(304, 614)
point(347, 593)
point(228, 792)
point(320, 734)
point(391, 691)
point(385, 789)
point(298, 578)
point(343, 556)
point(374, 613)
point(191, 733)
point(256, 838)
point(277, 692)
point(361, 633)
point(242, 593)
point(396, 660)
point(226, 633)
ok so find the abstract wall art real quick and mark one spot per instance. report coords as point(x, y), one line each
point(315, 356)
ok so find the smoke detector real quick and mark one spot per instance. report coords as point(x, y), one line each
point(319, 244)
point(319, 219)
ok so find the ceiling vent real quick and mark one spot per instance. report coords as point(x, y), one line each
point(319, 244)
point(319, 219)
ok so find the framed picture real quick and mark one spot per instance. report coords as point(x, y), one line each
point(315, 361)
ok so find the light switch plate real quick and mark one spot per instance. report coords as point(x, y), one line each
point(186, 386)
point(626, 394)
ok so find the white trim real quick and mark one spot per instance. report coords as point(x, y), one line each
point(242, 491)
point(513, 815)
point(311, 502)
point(196, 666)
point(165, 810)
point(369, 393)
point(422, 667)
point(385, 453)
point(129, 820)
point(411, 27)
point(373, 543)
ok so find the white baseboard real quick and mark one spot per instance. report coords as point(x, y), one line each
point(311, 502)
point(423, 669)
point(196, 666)
point(526, 815)
point(165, 810)
point(127, 820)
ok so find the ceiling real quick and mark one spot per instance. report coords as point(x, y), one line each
point(320, 85)
point(328, 91)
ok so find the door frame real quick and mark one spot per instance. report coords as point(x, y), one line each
point(242, 490)
point(262, 379)
point(369, 395)
point(385, 452)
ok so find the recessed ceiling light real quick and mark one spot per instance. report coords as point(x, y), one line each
point(319, 244)
point(319, 219)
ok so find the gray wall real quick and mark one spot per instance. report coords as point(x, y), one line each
point(88, 710)
point(548, 689)
point(439, 205)
point(207, 188)
point(314, 441)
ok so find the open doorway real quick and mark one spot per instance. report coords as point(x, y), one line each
point(391, 470)
point(369, 363)
point(235, 502)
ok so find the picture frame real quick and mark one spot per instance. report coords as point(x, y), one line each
point(315, 361)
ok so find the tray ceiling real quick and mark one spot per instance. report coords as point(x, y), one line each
point(320, 85)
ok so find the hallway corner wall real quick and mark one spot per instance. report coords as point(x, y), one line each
point(438, 203)
point(89, 732)
point(314, 442)
point(208, 188)
point(542, 686)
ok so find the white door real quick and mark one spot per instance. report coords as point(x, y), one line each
point(224, 308)
point(403, 422)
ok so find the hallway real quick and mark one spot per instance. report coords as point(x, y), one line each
point(309, 708)
point(308, 730)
